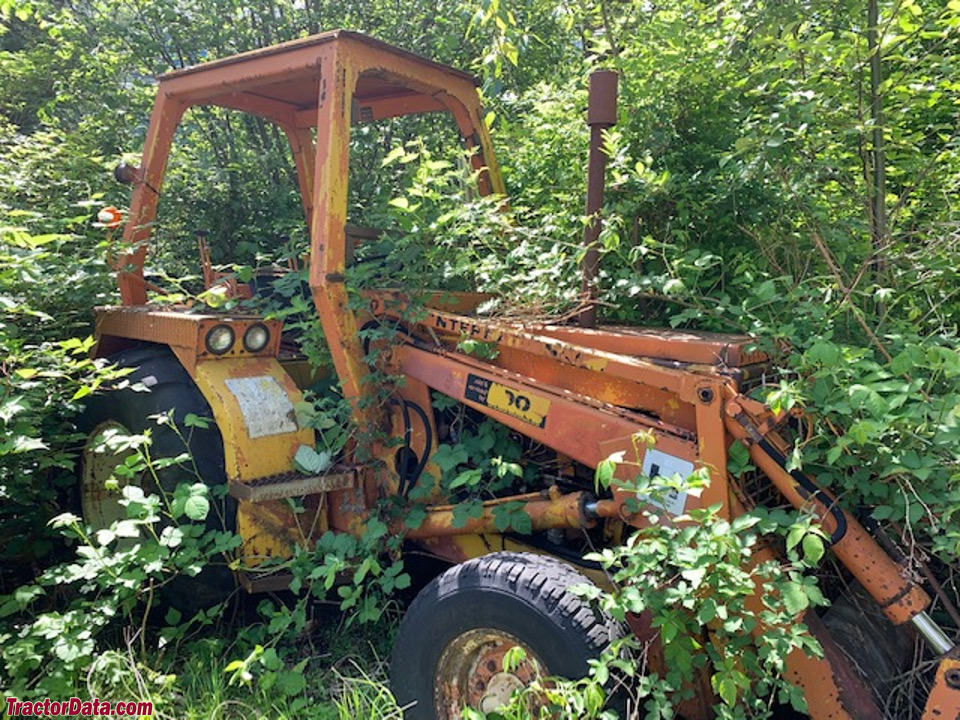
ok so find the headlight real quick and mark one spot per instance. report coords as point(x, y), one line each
point(220, 339)
point(256, 338)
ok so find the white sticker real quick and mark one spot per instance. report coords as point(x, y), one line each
point(661, 464)
point(265, 407)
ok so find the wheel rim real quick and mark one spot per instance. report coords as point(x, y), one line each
point(470, 672)
point(100, 504)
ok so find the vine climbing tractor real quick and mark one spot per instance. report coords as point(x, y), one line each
point(568, 394)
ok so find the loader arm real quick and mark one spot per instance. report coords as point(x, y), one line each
point(897, 595)
point(587, 393)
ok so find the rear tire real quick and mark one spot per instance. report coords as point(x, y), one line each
point(129, 411)
point(451, 642)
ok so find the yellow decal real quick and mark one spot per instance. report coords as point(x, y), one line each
point(527, 407)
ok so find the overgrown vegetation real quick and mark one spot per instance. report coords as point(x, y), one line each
point(682, 576)
point(785, 169)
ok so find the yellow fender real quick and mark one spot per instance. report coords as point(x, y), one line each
point(253, 402)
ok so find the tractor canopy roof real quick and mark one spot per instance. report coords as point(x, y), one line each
point(314, 89)
point(285, 81)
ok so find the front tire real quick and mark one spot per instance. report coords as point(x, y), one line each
point(450, 648)
point(128, 411)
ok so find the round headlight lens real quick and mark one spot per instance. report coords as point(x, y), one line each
point(256, 338)
point(220, 339)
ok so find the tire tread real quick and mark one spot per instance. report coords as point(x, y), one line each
point(541, 582)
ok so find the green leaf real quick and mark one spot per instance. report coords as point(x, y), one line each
point(795, 600)
point(834, 453)
point(738, 459)
point(402, 582)
point(270, 660)
point(521, 522)
point(707, 612)
point(794, 536)
point(882, 512)
point(513, 658)
point(765, 291)
point(191, 420)
point(823, 353)
point(127, 529)
point(415, 517)
point(291, 683)
point(863, 397)
point(812, 548)
point(196, 507)
point(462, 512)
point(308, 460)
point(511, 53)
point(66, 519)
point(468, 478)
point(674, 286)
point(694, 576)
point(393, 156)
point(171, 537)
point(726, 688)
point(605, 471)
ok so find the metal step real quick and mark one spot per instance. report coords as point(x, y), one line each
point(293, 484)
point(264, 582)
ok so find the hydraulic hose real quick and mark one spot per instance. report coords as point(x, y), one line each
point(899, 598)
point(808, 488)
point(428, 444)
point(409, 480)
point(407, 432)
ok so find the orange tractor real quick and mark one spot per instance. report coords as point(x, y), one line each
point(577, 393)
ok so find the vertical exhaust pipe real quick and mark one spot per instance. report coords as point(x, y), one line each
point(601, 115)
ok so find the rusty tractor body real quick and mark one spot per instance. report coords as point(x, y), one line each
point(578, 391)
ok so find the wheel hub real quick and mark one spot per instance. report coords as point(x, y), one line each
point(499, 690)
point(100, 504)
point(471, 672)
